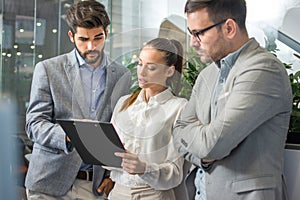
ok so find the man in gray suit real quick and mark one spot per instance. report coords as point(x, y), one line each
point(82, 84)
point(234, 126)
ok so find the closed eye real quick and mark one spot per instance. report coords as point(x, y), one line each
point(83, 39)
point(150, 67)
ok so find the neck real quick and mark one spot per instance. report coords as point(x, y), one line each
point(237, 44)
point(241, 40)
point(152, 91)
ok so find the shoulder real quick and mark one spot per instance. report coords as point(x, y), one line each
point(123, 98)
point(207, 76)
point(178, 101)
point(67, 57)
point(116, 67)
point(119, 104)
point(60, 60)
point(254, 55)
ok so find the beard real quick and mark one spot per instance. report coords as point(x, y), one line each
point(93, 59)
point(205, 58)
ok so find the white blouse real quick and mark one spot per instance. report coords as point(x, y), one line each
point(146, 130)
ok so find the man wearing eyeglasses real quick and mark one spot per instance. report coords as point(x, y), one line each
point(234, 126)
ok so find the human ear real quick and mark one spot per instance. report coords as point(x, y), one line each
point(71, 36)
point(230, 28)
point(106, 33)
point(170, 71)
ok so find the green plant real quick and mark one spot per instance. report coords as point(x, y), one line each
point(192, 67)
point(295, 115)
point(294, 125)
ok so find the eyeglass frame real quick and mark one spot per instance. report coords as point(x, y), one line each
point(200, 32)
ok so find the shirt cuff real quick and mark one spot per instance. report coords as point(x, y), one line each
point(207, 165)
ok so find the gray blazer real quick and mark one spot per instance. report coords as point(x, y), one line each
point(57, 92)
point(247, 138)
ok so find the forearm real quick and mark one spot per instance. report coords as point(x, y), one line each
point(46, 133)
point(164, 176)
point(40, 126)
point(240, 111)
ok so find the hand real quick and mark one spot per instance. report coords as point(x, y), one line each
point(68, 139)
point(131, 163)
point(207, 161)
point(106, 185)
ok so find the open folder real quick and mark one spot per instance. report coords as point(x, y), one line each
point(96, 142)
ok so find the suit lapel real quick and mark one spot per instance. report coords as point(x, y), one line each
point(73, 74)
point(110, 80)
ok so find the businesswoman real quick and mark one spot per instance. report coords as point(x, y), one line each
point(151, 167)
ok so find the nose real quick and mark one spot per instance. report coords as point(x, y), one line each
point(91, 45)
point(141, 70)
point(194, 42)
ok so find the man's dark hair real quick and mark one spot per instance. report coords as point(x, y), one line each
point(87, 14)
point(219, 10)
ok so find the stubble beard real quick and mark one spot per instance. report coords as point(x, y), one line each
point(91, 61)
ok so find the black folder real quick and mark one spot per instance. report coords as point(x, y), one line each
point(96, 142)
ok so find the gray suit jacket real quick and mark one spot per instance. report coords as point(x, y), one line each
point(247, 137)
point(57, 92)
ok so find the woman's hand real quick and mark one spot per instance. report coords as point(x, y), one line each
point(131, 163)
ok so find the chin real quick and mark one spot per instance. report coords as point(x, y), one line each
point(141, 85)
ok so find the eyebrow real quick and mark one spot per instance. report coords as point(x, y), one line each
point(98, 35)
point(148, 63)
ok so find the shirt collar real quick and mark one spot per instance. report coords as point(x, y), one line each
point(159, 98)
point(82, 62)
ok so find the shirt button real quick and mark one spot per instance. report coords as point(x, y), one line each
point(198, 192)
point(200, 171)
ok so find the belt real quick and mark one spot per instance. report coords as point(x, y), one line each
point(85, 175)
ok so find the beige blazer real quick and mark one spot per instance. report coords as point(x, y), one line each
point(247, 137)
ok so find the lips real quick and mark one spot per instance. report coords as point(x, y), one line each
point(92, 54)
point(142, 81)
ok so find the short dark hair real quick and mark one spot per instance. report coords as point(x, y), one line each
point(219, 10)
point(87, 14)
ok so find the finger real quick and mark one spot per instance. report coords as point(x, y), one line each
point(119, 154)
point(125, 155)
point(109, 187)
point(68, 139)
point(101, 187)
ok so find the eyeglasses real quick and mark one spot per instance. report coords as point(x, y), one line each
point(201, 32)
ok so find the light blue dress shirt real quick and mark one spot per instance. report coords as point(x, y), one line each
point(94, 82)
